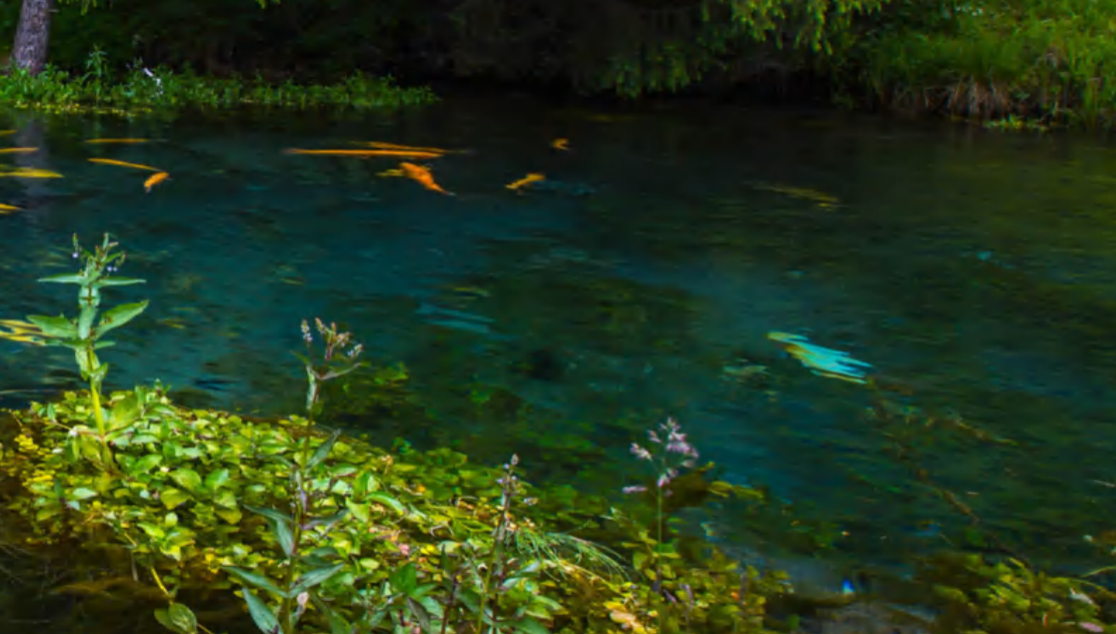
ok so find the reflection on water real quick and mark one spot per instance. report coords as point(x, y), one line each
point(639, 280)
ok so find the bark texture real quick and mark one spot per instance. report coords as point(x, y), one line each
point(32, 36)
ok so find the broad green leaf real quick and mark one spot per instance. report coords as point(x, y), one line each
point(420, 613)
point(146, 463)
point(404, 579)
point(364, 483)
point(178, 618)
point(338, 625)
point(82, 493)
point(285, 536)
point(120, 315)
point(386, 500)
point(528, 625)
point(57, 327)
point(314, 577)
point(85, 322)
point(271, 513)
point(358, 510)
point(215, 479)
point(119, 281)
point(327, 521)
point(225, 498)
point(256, 579)
point(173, 497)
point(323, 450)
point(124, 413)
point(261, 614)
point(64, 278)
point(187, 479)
point(232, 515)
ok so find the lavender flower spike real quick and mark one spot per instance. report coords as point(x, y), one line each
point(640, 452)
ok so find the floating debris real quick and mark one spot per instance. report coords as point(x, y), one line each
point(533, 177)
point(822, 361)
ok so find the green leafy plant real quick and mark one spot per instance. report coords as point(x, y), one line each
point(304, 569)
point(340, 535)
point(83, 334)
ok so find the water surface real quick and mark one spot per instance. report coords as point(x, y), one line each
point(974, 269)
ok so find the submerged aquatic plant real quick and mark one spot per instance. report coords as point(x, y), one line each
point(83, 334)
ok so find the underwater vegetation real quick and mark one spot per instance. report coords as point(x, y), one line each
point(322, 532)
point(208, 516)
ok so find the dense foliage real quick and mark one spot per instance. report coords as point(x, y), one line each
point(1043, 60)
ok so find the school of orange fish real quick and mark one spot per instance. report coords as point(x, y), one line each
point(421, 174)
point(821, 361)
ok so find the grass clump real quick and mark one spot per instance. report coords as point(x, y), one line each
point(1052, 61)
point(137, 89)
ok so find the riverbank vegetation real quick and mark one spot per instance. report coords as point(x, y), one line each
point(1038, 61)
point(217, 521)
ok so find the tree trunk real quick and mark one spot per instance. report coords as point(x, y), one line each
point(32, 36)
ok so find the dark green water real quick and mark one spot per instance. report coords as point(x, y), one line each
point(976, 267)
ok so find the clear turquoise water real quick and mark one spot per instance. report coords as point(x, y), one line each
point(975, 266)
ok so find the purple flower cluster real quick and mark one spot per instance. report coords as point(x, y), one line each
point(675, 449)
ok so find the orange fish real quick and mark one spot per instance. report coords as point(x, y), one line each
point(18, 150)
point(379, 145)
point(533, 177)
point(422, 175)
point(123, 164)
point(560, 144)
point(155, 180)
point(7, 209)
point(370, 153)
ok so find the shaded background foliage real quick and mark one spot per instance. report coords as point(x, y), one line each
point(627, 46)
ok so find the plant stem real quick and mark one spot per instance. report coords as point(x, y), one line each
point(95, 392)
point(286, 611)
point(659, 548)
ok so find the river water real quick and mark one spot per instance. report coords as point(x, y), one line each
point(973, 270)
